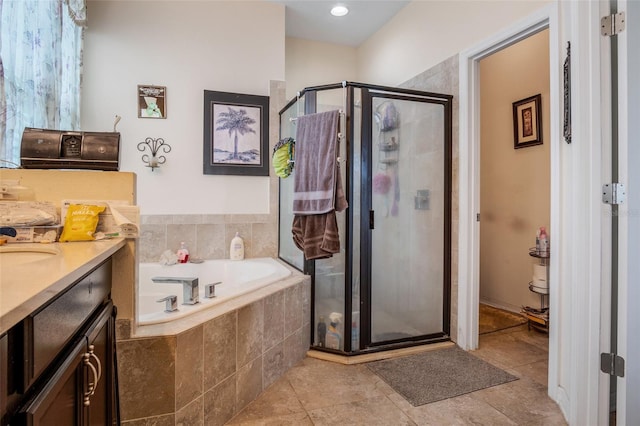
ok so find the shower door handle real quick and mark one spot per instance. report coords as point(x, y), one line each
point(371, 219)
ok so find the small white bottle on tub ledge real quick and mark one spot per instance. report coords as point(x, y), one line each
point(236, 250)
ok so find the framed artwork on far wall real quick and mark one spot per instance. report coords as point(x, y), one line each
point(527, 122)
point(152, 101)
point(236, 134)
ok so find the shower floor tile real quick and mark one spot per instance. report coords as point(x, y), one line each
point(317, 392)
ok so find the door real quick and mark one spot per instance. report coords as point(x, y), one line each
point(100, 392)
point(625, 317)
point(406, 217)
point(79, 392)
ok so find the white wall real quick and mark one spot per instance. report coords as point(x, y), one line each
point(188, 47)
point(514, 183)
point(425, 33)
point(312, 63)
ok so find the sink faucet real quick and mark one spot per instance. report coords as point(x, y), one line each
point(189, 287)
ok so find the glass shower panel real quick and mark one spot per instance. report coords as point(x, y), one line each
point(287, 249)
point(408, 199)
point(330, 273)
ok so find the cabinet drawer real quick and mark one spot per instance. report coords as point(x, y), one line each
point(52, 328)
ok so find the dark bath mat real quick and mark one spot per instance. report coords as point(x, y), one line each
point(493, 319)
point(440, 374)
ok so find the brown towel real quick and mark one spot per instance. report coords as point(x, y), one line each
point(316, 235)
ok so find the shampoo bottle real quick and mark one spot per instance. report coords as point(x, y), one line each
point(544, 242)
point(322, 332)
point(236, 251)
point(183, 253)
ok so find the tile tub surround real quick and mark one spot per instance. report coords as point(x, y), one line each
point(207, 236)
point(209, 372)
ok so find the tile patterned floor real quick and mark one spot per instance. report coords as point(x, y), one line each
point(323, 393)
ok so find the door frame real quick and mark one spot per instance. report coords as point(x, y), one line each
point(469, 175)
point(469, 159)
point(579, 220)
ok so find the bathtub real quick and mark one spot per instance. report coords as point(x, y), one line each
point(237, 278)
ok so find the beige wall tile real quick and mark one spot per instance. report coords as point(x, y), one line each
point(250, 332)
point(293, 352)
point(179, 233)
point(220, 403)
point(156, 219)
point(219, 349)
point(248, 383)
point(189, 366)
point(146, 377)
point(167, 420)
point(210, 241)
point(273, 320)
point(123, 329)
point(187, 219)
point(264, 239)
point(191, 415)
point(273, 365)
point(292, 309)
point(152, 242)
point(214, 218)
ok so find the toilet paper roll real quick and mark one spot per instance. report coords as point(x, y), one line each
point(541, 284)
point(539, 272)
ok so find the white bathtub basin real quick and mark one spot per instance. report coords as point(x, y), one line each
point(236, 277)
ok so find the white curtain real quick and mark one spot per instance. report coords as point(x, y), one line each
point(40, 68)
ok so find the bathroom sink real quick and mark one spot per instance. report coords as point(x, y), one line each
point(18, 254)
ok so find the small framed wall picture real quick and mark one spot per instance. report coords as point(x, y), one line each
point(152, 101)
point(527, 122)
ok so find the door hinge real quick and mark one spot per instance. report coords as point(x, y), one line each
point(613, 193)
point(477, 217)
point(612, 24)
point(612, 364)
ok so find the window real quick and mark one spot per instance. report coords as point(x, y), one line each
point(40, 69)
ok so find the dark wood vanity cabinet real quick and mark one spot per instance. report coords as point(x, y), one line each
point(68, 372)
point(80, 392)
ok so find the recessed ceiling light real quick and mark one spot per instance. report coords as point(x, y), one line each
point(339, 11)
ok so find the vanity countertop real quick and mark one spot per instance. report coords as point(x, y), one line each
point(25, 287)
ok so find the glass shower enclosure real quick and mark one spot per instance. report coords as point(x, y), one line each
point(390, 284)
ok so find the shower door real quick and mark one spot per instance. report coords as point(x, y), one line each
point(405, 218)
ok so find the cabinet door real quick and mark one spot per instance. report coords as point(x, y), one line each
point(80, 392)
point(4, 381)
point(101, 340)
point(59, 402)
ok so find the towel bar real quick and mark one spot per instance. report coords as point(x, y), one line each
point(341, 112)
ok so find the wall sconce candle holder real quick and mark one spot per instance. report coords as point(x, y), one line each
point(154, 145)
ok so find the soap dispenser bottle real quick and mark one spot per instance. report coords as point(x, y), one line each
point(544, 242)
point(183, 253)
point(236, 251)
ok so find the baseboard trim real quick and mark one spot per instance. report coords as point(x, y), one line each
point(377, 356)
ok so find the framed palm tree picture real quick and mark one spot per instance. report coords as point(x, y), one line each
point(236, 134)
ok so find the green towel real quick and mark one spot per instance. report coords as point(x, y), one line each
point(283, 157)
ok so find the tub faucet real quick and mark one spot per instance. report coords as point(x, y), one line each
point(171, 303)
point(189, 287)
